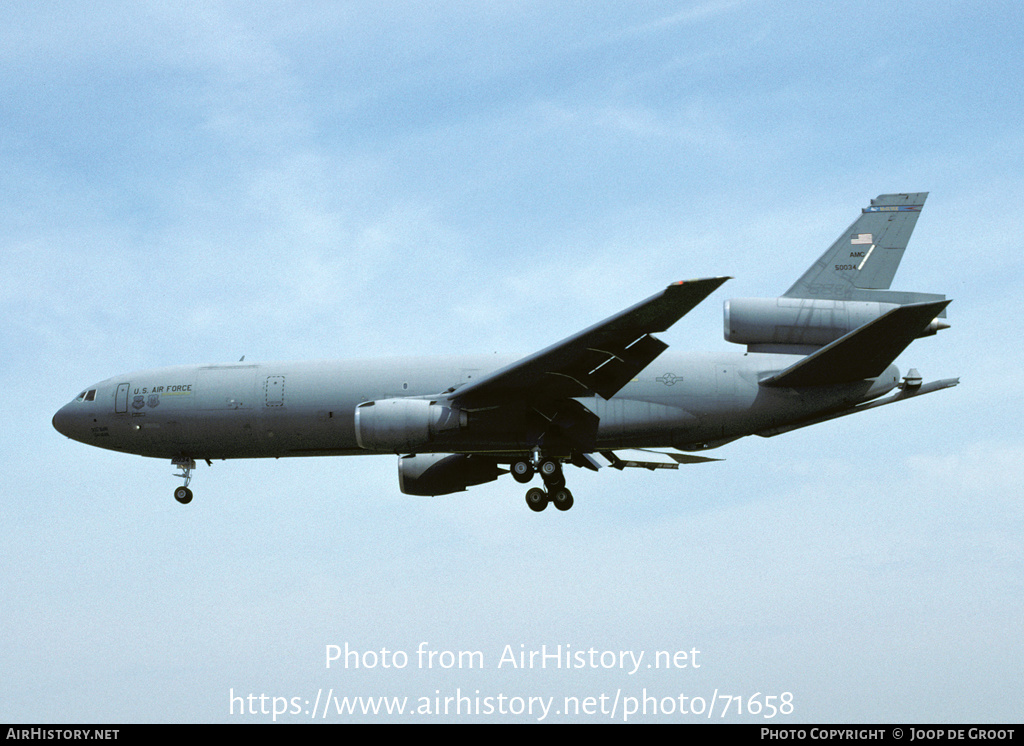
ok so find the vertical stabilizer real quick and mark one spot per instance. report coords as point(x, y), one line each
point(865, 257)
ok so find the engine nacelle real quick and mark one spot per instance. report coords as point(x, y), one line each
point(430, 474)
point(770, 324)
point(403, 425)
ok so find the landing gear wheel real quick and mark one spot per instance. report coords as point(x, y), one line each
point(183, 494)
point(522, 471)
point(537, 499)
point(562, 498)
point(551, 472)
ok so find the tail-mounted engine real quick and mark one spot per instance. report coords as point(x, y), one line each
point(794, 324)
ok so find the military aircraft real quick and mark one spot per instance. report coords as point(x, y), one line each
point(605, 396)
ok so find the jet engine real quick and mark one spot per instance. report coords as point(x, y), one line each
point(433, 474)
point(403, 425)
point(774, 324)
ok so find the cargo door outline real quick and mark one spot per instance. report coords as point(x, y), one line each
point(273, 389)
point(121, 398)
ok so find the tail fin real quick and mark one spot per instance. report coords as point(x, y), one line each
point(861, 263)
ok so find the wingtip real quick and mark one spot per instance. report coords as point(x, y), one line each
point(716, 280)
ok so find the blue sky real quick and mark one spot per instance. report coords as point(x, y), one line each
point(191, 183)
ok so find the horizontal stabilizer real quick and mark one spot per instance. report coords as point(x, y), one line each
point(905, 392)
point(863, 353)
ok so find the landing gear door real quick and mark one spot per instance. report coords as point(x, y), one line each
point(121, 398)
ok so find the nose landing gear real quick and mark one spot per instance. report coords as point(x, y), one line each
point(183, 494)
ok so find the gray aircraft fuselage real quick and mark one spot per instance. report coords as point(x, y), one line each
point(822, 350)
point(242, 410)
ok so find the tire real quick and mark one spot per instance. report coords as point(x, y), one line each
point(551, 473)
point(537, 499)
point(522, 471)
point(562, 498)
point(549, 468)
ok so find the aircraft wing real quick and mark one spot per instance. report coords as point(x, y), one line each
point(599, 360)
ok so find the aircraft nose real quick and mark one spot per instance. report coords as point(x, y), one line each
point(63, 421)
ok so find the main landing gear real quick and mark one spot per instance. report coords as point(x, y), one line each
point(183, 494)
point(554, 491)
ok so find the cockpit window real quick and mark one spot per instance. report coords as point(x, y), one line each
point(89, 395)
